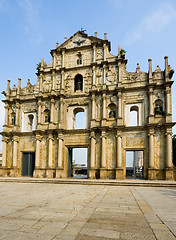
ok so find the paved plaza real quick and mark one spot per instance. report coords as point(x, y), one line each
point(72, 211)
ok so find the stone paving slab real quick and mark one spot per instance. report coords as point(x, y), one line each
point(68, 211)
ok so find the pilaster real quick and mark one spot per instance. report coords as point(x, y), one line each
point(4, 151)
point(15, 150)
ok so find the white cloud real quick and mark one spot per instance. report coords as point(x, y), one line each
point(153, 23)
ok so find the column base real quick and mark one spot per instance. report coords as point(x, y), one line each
point(15, 172)
point(50, 173)
point(170, 174)
point(39, 173)
point(156, 174)
point(151, 173)
point(92, 174)
point(107, 173)
point(5, 172)
point(60, 173)
point(120, 174)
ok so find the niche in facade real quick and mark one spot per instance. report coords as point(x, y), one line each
point(79, 60)
point(47, 116)
point(13, 118)
point(112, 110)
point(159, 107)
point(78, 82)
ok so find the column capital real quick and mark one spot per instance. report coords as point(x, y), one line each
point(119, 94)
point(104, 95)
point(103, 134)
point(94, 68)
point(92, 135)
point(119, 134)
point(60, 136)
point(38, 137)
point(5, 139)
point(18, 105)
point(15, 139)
point(52, 100)
point(168, 131)
point(150, 90)
point(151, 132)
point(6, 106)
point(50, 137)
point(168, 90)
point(40, 102)
point(93, 96)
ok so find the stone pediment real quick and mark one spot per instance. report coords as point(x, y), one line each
point(79, 39)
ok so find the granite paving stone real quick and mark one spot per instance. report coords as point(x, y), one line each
point(86, 212)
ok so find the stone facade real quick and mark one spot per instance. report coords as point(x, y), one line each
point(85, 77)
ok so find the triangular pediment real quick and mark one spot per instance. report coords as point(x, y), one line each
point(79, 39)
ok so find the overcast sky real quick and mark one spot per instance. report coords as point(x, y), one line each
point(30, 29)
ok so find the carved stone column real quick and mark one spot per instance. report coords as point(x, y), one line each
point(6, 114)
point(94, 53)
point(92, 170)
point(93, 142)
point(93, 106)
point(104, 75)
point(41, 84)
point(119, 118)
point(168, 100)
point(105, 51)
point(103, 170)
point(94, 75)
point(103, 149)
point(151, 111)
point(119, 167)
point(63, 58)
point(39, 111)
point(54, 60)
point(104, 106)
point(50, 151)
point(54, 81)
point(4, 151)
point(60, 151)
point(15, 150)
point(151, 169)
point(17, 114)
point(37, 153)
point(169, 164)
point(62, 80)
point(61, 112)
point(169, 149)
point(52, 110)
point(119, 150)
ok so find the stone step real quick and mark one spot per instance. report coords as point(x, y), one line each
point(127, 182)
